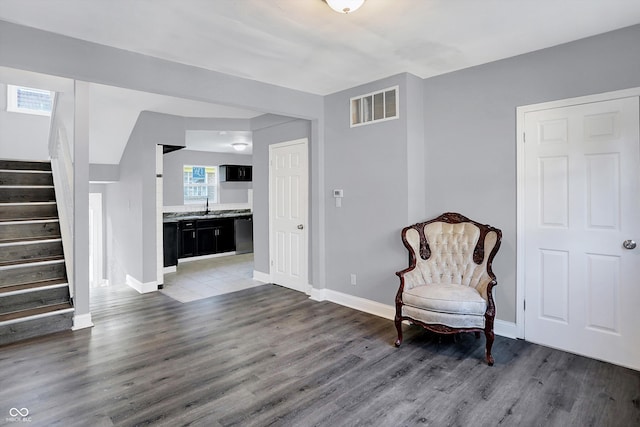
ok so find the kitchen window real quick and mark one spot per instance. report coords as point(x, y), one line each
point(200, 184)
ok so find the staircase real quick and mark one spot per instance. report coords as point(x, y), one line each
point(34, 293)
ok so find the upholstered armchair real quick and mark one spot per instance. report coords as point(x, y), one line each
point(447, 286)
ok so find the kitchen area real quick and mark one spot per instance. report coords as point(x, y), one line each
point(207, 244)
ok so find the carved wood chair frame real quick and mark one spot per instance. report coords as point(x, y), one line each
point(478, 257)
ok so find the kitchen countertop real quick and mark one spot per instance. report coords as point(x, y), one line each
point(189, 216)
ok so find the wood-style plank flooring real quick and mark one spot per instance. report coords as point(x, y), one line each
point(270, 356)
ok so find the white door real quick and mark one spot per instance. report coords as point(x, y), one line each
point(95, 240)
point(288, 218)
point(581, 203)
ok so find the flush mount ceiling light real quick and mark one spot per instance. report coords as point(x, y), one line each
point(239, 146)
point(345, 6)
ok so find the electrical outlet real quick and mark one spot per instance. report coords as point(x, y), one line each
point(353, 279)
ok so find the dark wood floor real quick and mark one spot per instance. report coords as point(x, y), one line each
point(270, 356)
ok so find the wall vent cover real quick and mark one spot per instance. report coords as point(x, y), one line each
point(374, 107)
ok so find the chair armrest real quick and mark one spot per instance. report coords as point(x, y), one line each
point(410, 278)
point(485, 288)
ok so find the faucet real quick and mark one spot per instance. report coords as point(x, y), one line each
point(206, 210)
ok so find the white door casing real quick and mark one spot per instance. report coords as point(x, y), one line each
point(580, 188)
point(159, 215)
point(288, 214)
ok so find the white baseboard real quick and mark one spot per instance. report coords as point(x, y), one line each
point(81, 321)
point(142, 288)
point(500, 327)
point(261, 277)
point(170, 269)
point(201, 257)
point(505, 329)
point(357, 303)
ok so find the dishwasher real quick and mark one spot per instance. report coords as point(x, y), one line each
point(244, 235)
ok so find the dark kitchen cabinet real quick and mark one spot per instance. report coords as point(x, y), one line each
point(236, 173)
point(170, 243)
point(206, 236)
point(225, 239)
point(187, 239)
point(215, 236)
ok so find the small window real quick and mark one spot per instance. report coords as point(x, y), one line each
point(374, 107)
point(29, 100)
point(200, 184)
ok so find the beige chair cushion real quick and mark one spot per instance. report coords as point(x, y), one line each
point(450, 298)
point(448, 319)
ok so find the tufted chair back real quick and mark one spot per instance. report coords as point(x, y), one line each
point(450, 253)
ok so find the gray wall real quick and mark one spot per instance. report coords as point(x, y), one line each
point(41, 51)
point(265, 134)
point(207, 123)
point(35, 50)
point(100, 172)
point(228, 192)
point(370, 163)
point(131, 207)
point(26, 136)
point(22, 136)
point(468, 151)
point(470, 130)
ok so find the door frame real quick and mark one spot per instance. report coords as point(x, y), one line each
point(305, 141)
point(520, 182)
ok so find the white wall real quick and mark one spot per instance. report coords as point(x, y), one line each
point(470, 130)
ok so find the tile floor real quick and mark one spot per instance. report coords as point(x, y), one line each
point(206, 278)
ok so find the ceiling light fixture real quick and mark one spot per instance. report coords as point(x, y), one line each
point(345, 6)
point(239, 146)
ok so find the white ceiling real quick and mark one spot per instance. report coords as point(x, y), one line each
point(304, 45)
point(219, 141)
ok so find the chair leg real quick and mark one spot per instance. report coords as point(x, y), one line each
point(488, 333)
point(398, 322)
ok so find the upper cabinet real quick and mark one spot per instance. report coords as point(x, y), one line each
point(237, 173)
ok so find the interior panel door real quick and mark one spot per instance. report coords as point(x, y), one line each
point(582, 187)
point(288, 172)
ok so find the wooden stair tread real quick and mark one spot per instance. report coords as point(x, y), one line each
point(31, 239)
point(7, 164)
point(32, 285)
point(31, 260)
point(34, 311)
point(34, 290)
point(34, 218)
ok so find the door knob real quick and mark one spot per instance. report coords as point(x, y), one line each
point(629, 244)
point(300, 227)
